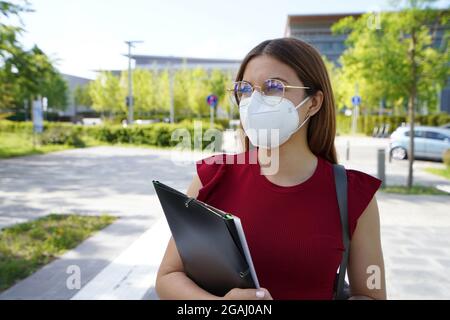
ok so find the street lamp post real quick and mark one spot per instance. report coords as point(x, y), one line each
point(172, 98)
point(130, 82)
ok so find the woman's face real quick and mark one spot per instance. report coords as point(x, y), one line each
point(264, 67)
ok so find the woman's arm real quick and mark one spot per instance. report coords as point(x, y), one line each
point(366, 265)
point(172, 283)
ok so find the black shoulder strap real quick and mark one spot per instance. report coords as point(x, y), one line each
point(340, 177)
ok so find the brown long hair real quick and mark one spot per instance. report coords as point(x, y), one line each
point(311, 70)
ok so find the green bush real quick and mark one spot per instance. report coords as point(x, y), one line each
point(60, 135)
point(446, 157)
point(158, 134)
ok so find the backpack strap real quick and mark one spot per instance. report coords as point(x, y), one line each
point(340, 177)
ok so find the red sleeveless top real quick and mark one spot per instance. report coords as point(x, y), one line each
point(294, 233)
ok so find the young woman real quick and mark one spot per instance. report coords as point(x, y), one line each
point(290, 214)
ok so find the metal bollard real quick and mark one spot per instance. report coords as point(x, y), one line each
point(382, 167)
point(347, 151)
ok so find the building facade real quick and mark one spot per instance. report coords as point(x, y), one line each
point(72, 83)
point(164, 62)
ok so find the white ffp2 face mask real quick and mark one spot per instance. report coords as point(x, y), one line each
point(269, 126)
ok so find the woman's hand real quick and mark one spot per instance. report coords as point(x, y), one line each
point(248, 294)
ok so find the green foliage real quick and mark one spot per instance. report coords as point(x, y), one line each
point(446, 157)
point(81, 96)
point(158, 134)
point(55, 89)
point(63, 136)
point(108, 94)
point(151, 90)
point(379, 59)
point(25, 74)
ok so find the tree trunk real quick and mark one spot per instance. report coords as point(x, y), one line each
point(411, 108)
point(411, 137)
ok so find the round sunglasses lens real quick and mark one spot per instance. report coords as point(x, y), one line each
point(241, 91)
point(273, 91)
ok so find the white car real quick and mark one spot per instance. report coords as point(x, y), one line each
point(429, 142)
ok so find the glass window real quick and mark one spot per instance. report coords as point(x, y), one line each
point(417, 134)
point(435, 135)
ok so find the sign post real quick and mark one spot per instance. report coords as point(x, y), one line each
point(212, 101)
point(356, 101)
point(38, 119)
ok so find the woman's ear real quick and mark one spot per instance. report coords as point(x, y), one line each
point(316, 103)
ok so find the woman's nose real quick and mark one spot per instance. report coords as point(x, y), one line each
point(259, 87)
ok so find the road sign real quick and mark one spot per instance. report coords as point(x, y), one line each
point(212, 100)
point(356, 100)
point(38, 117)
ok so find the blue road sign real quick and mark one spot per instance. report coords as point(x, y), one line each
point(356, 100)
point(212, 100)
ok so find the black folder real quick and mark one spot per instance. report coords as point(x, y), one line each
point(211, 243)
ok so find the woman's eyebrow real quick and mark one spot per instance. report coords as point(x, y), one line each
point(278, 78)
point(275, 78)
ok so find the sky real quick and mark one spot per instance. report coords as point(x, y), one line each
point(87, 35)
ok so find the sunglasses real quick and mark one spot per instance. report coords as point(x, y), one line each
point(272, 92)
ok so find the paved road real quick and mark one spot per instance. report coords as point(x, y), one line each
point(363, 156)
point(110, 180)
point(416, 230)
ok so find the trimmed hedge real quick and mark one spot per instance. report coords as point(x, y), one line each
point(158, 134)
point(61, 136)
point(164, 134)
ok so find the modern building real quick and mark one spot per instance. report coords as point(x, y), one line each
point(72, 83)
point(174, 63)
point(316, 30)
point(161, 62)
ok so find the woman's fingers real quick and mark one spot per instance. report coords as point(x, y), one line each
point(248, 294)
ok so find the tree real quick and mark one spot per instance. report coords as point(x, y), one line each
point(198, 92)
point(9, 47)
point(25, 74)
point(144, 90)
point(181, 91)
point(56, 91)
point(81, 96)
point(162, 94)
point(107, 94)
point(218, 82)
point(397, 62)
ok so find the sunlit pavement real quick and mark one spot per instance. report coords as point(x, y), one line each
point(415, 229)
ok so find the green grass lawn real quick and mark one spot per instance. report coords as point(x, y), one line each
point(20, 144)
point(26, 247)
point(415, 190)
point(440, 172)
